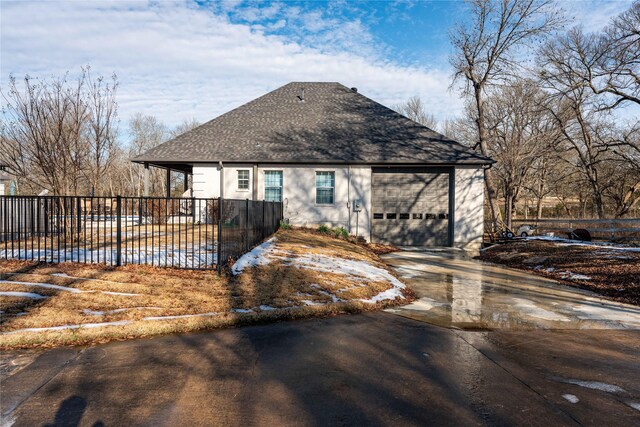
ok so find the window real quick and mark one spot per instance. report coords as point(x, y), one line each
point(325, 187)
point(243, 180)
point(404, 216)
point(273, 186)
point(378, 216)
point(417, 216)
point(391, 216)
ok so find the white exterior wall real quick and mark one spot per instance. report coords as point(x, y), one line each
point(231, 190)
point(361, 190)
point(299, 196)
point(469, 208)
point(1, 189)
point(206, 180)
point(351, 184)
point(298, 192)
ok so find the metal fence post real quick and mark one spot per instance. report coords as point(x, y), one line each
point(263, 221)
point(246, 224)
point(219, 237)
point(118, 231)
point(613, 231)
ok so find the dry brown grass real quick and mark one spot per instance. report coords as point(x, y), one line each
point(172, 292)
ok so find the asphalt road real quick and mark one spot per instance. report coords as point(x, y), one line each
point(373, 369)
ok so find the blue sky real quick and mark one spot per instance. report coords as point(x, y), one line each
point(186, 59)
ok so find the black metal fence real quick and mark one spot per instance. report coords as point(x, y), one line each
point(192, 233)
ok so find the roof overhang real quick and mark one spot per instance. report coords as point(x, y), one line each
point(186, 165)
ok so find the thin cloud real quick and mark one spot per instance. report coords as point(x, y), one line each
point(176, 61)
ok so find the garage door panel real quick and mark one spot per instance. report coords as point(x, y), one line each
point(418, 201)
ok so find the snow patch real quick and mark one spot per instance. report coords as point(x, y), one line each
point(571, 398)
point(357, 270)
point(43, 285)
point(255, 257)
point(21, 295)
point(64, 327)
point(266, 308)
point(65, 288)
point(573, 276)
point(599, 245)
point(595, 385)
point(202, 256)
point(634, 405)
point(330, 295)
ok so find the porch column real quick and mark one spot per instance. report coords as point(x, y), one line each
point(186, 182)
point(146, 180)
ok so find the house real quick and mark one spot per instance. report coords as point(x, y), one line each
point(335, 157)
point(5, 180)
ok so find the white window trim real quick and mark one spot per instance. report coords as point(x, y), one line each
point(238, 180)
point(264, 183)
point(315, 187)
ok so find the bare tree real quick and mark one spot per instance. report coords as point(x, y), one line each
point(59, 134)
point(485, 54)
point(101, 130)
point(145, 133)
point(185, 126)
point(44, 131)
point(414, 109)
point(520, 132)
point(608, 62)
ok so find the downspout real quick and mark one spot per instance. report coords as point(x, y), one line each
point(221, 167)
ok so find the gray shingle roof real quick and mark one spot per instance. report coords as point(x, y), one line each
point(312, 123)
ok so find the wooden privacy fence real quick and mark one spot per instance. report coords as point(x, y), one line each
point(194, 233)
point(616, 229)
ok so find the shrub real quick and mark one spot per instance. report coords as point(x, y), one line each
point(340, 232)
point(285, 225)
point(323, 229)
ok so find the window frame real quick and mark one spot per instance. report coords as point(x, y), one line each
point(333, 187)
point(270, 171)
point(238, 179)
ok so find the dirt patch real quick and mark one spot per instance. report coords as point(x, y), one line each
point(82, 304)
point(610, 272)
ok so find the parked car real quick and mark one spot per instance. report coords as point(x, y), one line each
point(526, 230)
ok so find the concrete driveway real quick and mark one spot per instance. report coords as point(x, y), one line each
point(372, 369)
point(456, 291)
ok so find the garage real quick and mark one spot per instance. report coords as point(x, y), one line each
point(411, 206)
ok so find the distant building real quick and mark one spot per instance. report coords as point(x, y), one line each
point(5, 180)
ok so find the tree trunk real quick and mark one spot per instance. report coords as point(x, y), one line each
point(488, 173)
point(539, 208)
point(509, 204)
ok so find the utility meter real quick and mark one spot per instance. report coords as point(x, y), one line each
point(357, 206)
